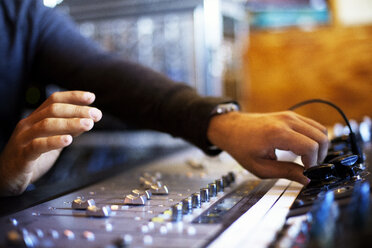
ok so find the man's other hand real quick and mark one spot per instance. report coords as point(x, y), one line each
point(38, 139)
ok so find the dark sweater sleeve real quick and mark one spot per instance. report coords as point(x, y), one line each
point(135, 94)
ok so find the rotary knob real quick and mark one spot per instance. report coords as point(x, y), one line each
point(204, 194)
point(231, 177)
point(196, 202)
point(187, 205)
point(177, 212)
point(220, 185)
point(212, 189)
point(226, 181)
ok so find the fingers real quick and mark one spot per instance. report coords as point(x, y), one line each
point(266, 168)
point(71, 97)
point(63, 110)
point(41, 145)
point(57, 126)
point(313, 123)
point(62, 113)
point(299, 144)
point(315, 134)
point(305, 137)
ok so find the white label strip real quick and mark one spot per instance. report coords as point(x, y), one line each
point(274, 220)
point(244, 229)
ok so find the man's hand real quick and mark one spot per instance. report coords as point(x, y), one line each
point(252, 139)
point(38, 139)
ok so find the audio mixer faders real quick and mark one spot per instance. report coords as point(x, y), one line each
point(147, 207)
point(189, 200)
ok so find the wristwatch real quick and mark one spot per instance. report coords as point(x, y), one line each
point(220, 109)
point(224, 108)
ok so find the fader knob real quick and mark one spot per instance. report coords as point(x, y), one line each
point(163, 190)
point(145, 183)
point(204, 195)
point(94, 211)
point(135, 200)
point(137, 192)
point(81, 204)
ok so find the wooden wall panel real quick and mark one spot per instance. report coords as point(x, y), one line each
point(334, 63)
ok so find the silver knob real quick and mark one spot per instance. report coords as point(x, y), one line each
point(204, 194)
point(196, 200)
point(187, 205)
point(219, 185)
point(212, 189)
point(177, 212)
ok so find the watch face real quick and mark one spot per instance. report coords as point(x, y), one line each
point(225, 108)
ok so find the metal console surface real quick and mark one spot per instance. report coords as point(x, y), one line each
point(56, 224)
point(163, 203)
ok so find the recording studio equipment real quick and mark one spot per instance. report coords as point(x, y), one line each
point(184, 199)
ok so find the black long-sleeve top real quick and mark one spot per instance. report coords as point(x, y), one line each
point(39, 44)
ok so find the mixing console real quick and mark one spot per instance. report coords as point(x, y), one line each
point(188, 200)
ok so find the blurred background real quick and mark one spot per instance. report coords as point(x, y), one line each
point(268, 54)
